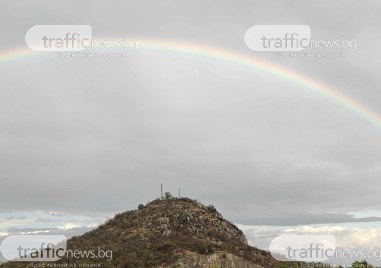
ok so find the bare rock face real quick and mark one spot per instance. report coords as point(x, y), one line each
point(218, 259)
point(173, 232)
point(185, 217)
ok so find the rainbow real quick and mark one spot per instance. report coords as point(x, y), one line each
point(246, 60)
point(14, 54)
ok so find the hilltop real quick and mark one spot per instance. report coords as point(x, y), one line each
point(172, 232)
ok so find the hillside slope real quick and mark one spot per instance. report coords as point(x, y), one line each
point(177, 232)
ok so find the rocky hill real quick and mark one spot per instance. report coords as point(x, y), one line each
point(173, 232)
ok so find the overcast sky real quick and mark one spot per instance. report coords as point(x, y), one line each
point(93, 137)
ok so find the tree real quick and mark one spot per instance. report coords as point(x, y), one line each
point(362, 264)
point(167, 195)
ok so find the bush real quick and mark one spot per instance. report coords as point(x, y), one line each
point(168, 195)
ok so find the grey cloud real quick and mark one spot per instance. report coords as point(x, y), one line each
point(100, 136)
